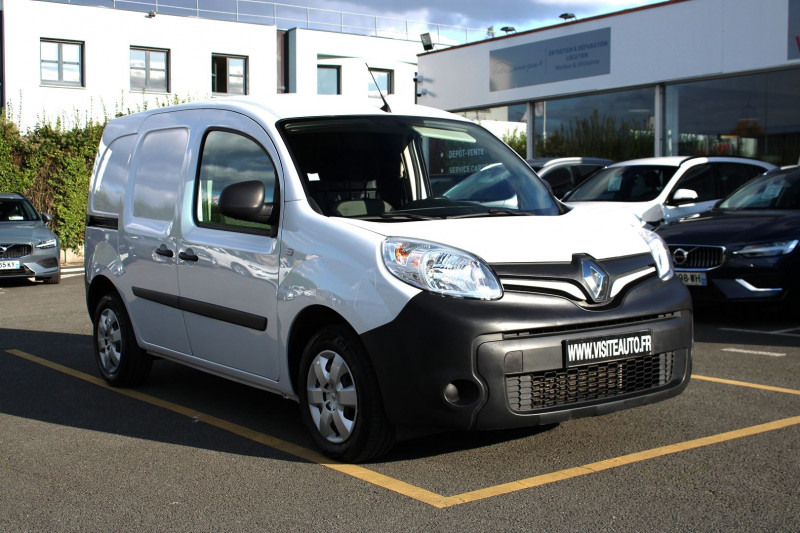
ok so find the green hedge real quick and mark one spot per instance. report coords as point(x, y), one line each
point(51, 165)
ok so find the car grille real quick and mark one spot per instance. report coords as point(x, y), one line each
point(684, 256)
point(585, 384)
point(15, 250)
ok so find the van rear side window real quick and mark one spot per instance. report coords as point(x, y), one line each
point(159, 174)
point(112, 176)
point(230, 158)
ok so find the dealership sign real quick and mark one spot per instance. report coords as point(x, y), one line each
point(564, 58)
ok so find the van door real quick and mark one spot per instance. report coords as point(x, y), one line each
point(148, 247)
point(228, 268)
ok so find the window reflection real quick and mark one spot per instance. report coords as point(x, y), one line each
point(752, 116)
point(618, 125)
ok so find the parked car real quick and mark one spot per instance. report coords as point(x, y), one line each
point(745, 249)
point(565, 173)
point(28, 249)
point(379, 304)
point(662, 189)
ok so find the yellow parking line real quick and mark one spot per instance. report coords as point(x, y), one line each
point(418, 493)
point(746, 384)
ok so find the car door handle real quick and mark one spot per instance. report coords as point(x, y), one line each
point(188, 255)
point(163, 250)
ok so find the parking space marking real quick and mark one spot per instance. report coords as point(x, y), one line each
point(747, 384)
point(784, 332)
point(753, 352)
point(417, 493)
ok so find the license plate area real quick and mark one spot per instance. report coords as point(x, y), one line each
point(607, 348)
point(9, 265)
point(693, 279)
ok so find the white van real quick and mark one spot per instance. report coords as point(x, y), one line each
point(339, 254)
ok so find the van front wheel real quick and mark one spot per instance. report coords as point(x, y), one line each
point(340, 400)
point(120, 359)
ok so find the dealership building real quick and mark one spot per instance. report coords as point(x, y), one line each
point(698, 76)
point(687, 77)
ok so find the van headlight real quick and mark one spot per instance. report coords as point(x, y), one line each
point(660, 253)
point(440, 269)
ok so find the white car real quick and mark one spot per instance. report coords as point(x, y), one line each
point(663, 189)
point(378, 304)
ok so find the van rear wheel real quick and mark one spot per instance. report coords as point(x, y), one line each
point(340, 401)
point(120, 359)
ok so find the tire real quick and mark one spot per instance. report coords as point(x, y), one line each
point(121, 361)
point(53, 280)
point(340, 401)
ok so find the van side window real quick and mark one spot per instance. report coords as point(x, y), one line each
point(159, 174)
point(112, 176)
point(229, 158)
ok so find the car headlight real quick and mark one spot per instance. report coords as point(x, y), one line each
point(660, 253)
point(440, 269)
point(49, 243)
point(769, 249)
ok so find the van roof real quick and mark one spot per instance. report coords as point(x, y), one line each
point(281, 106)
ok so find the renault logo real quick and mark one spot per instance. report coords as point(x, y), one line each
point(596, 280)
point(3, 251)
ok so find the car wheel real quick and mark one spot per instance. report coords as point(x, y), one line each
point(340, 400)
point(53, 280)
point(120, 359)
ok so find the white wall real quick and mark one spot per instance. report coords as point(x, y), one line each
point(679, 40)
point(312, 47)
point(108, 35)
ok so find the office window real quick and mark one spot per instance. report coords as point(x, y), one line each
point(383, 81)
point(149, 70)
point(328, 80)
point(228, 74)
point(61, 63)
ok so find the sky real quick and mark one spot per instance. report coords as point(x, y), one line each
point(479, 14)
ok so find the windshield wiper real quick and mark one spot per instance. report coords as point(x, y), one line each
point(493, 213)
point(409, 216)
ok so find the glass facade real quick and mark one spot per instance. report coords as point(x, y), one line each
point(756, 115)
point(618, 125)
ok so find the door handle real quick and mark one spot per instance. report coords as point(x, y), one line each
point(188, 255)
point(163, 250)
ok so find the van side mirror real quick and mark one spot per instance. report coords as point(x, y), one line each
point(245, 201)
point(683, 196)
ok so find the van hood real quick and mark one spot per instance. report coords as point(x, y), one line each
point(526, 239)
point(647, 211)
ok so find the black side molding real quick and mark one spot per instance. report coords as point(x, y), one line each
point(217, 312)
point(102, 222)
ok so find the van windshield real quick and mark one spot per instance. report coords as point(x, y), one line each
point(405, 168)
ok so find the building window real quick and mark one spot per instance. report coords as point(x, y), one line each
point(61, 63)
point(149, 70)
point(329, 80)
point(228, 74)
point(754, 115)
point(380, 81)
point(616, 125)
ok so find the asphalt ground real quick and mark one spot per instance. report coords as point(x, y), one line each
point(192, 452)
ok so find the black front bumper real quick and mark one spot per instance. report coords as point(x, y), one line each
point(464, 364)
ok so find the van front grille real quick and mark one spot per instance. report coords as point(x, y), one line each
point(584, 384)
